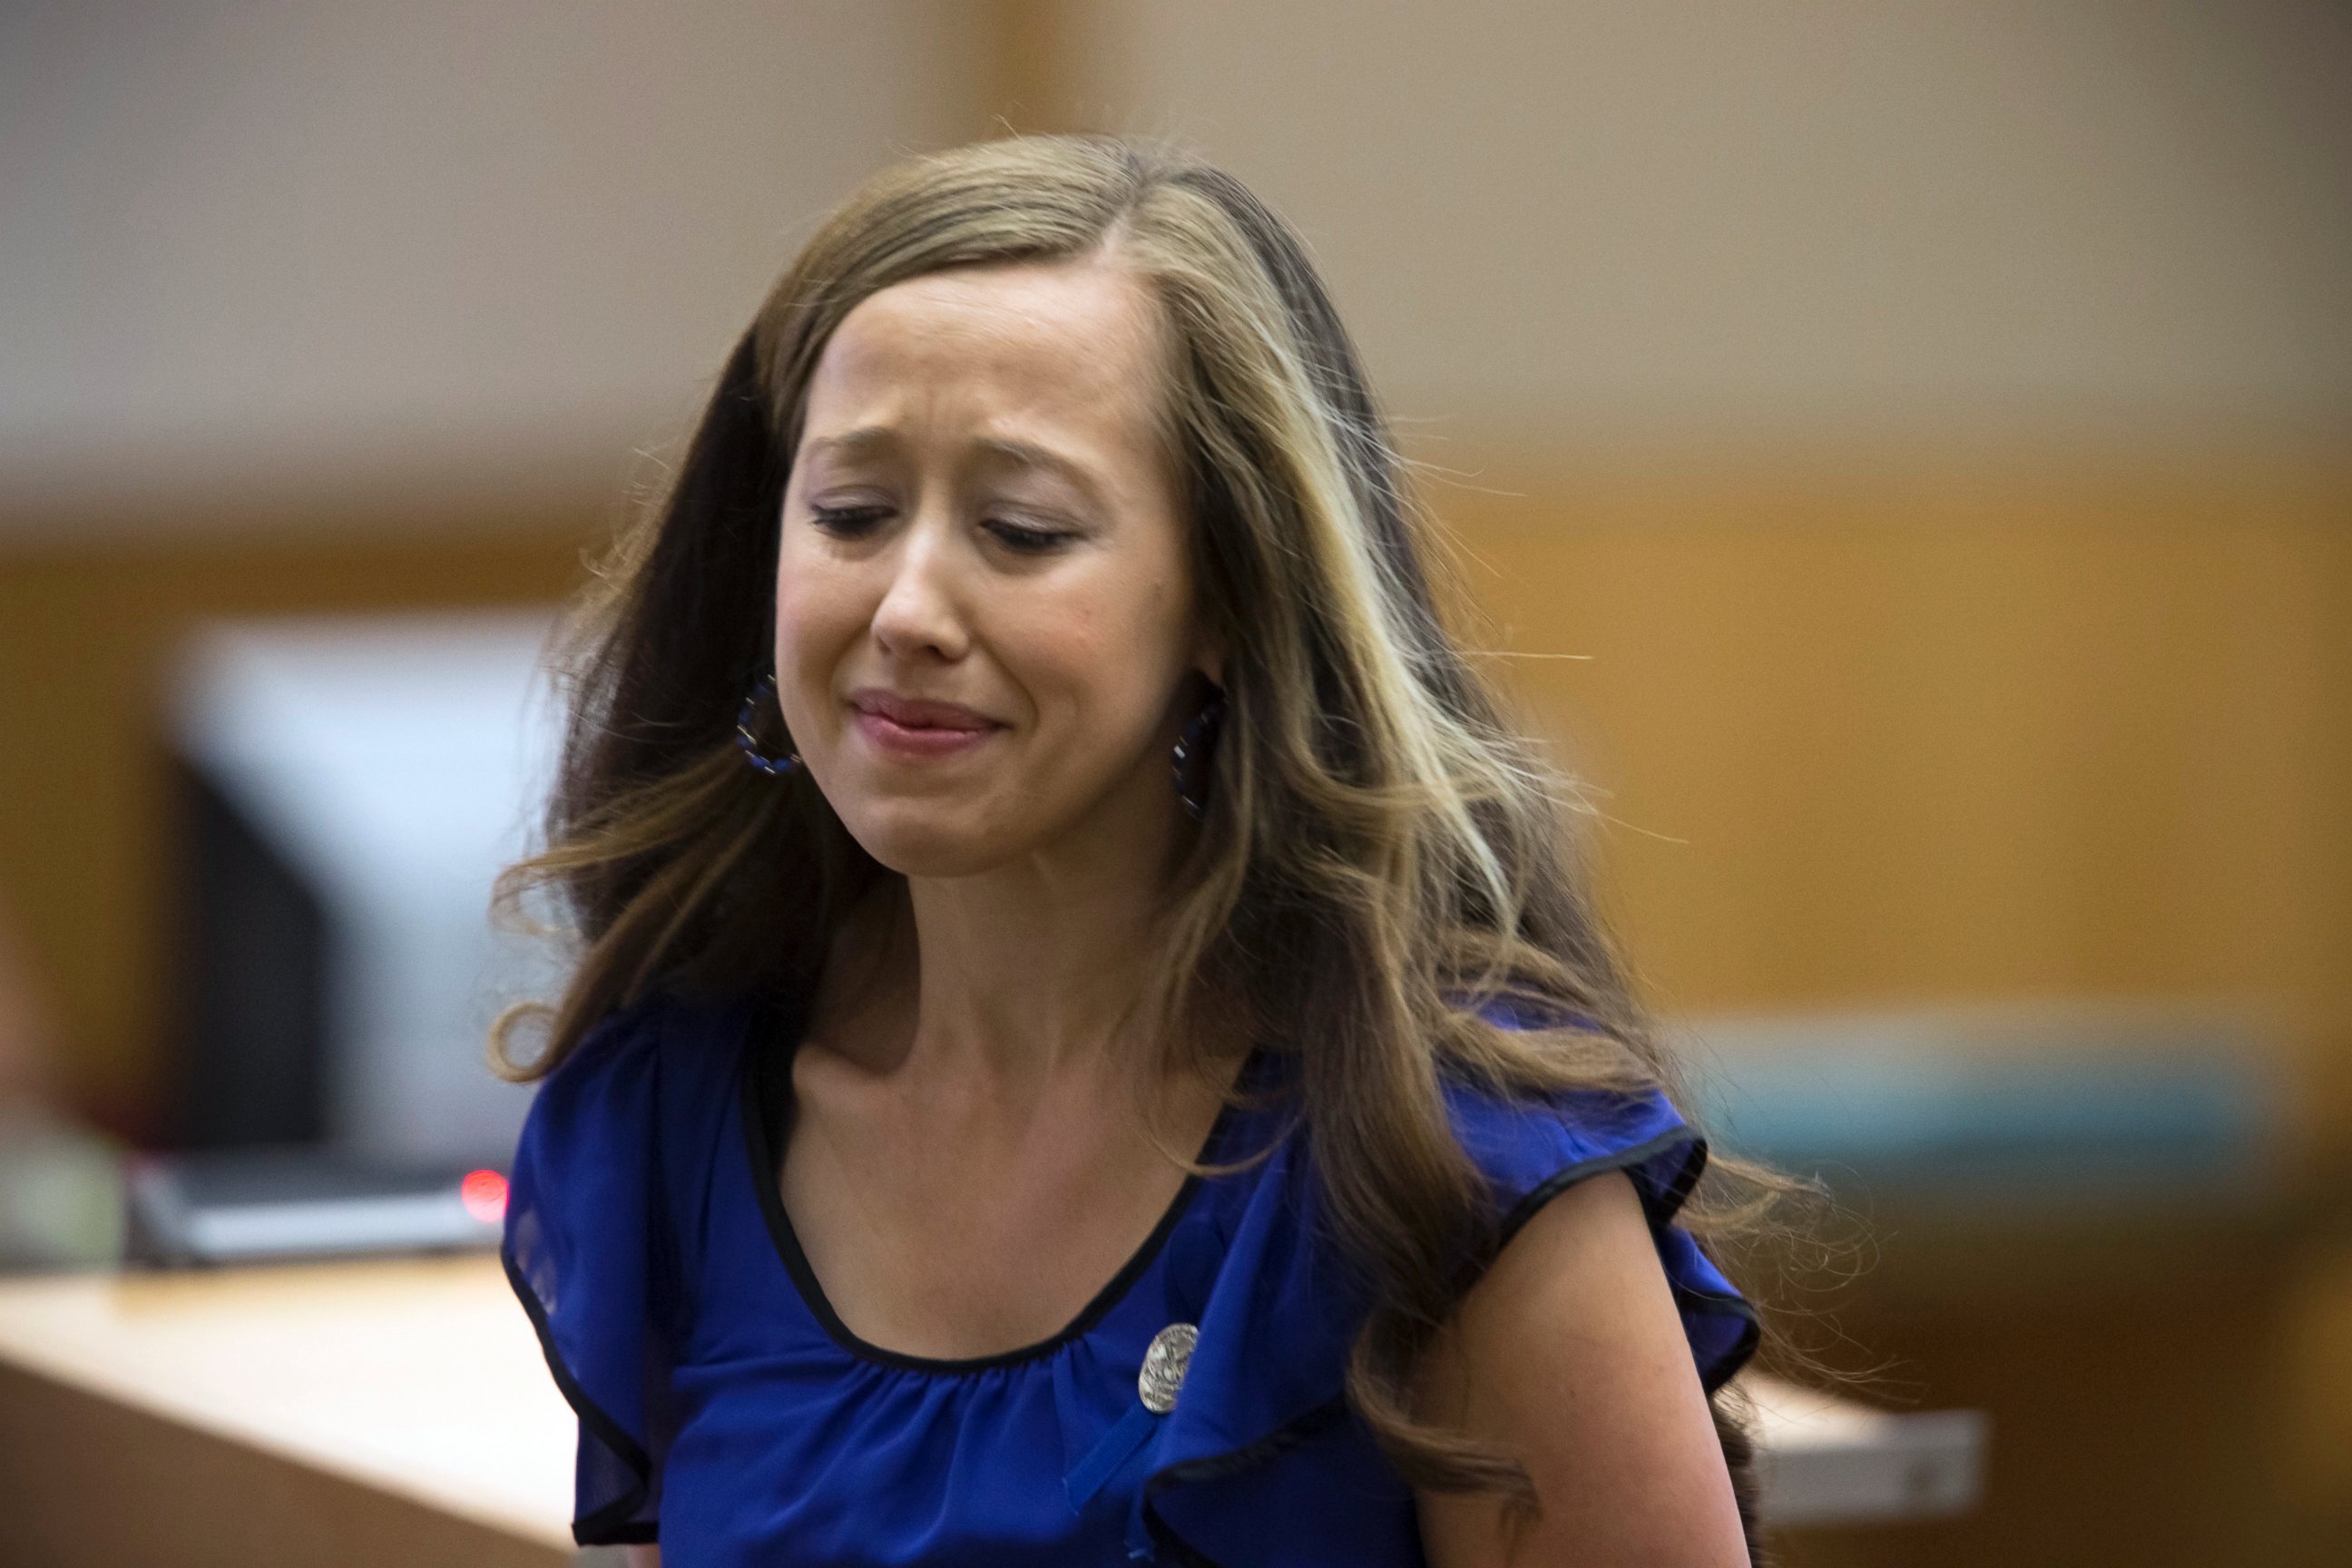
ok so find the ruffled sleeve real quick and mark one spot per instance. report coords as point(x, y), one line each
point(1261, 1461)
point(1532, 1150)
point(586, 1253)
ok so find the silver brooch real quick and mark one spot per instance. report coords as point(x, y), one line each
point(1163, 1366)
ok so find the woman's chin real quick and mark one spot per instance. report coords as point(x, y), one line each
point(930, 843)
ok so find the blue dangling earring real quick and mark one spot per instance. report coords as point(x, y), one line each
point(1195, 749)
point(749, 744)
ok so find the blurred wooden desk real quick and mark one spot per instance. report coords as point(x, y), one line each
point(400, 1413)
point(351, 1414)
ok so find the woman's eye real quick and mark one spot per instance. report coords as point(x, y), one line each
point(1028, 539)
point(848, 521)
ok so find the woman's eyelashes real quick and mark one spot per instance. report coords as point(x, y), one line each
point(1019, 536)
point(1029, 538)
point(848, 522)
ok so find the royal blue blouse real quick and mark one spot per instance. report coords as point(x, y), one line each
point(727, 1411)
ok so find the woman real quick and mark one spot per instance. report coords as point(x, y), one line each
point(1078, 989)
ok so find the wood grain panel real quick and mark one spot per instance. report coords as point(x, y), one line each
point(1935, 736)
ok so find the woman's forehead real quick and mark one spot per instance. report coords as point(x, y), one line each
point(1074, 343)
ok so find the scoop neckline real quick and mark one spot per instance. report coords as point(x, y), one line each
point(765, 1054)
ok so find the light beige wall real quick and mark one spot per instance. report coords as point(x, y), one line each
point(1564, 221)
point(283, 253)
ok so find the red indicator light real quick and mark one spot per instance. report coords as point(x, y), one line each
point(484, 1193)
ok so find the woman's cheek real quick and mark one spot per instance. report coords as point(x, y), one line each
point(808, 648)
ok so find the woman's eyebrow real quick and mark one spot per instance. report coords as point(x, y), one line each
point(1001, 452)
point(865, 441)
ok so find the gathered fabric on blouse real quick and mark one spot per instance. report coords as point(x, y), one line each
point(726, 1411)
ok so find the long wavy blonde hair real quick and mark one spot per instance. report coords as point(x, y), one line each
point(1383, 854)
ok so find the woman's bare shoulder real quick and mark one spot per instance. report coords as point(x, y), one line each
point(1569, 1353)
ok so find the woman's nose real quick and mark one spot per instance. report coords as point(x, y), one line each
point(919, 613)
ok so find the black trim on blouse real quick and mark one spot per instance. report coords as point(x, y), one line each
point(766, 1100)
point(615, 1524)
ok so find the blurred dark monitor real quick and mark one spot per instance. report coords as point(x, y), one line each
point(252, 945)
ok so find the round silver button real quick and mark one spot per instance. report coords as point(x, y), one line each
point(1163, 1366)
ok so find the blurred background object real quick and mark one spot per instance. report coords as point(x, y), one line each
point(2014, 1112)
point(353, 787)
point(349, 789)
point(60, 1183)
point(1900, 453)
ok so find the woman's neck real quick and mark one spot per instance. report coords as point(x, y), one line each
point(1024, 973)
point(1014, 975)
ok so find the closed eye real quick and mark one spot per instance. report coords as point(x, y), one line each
point(848, 521)
point(1028, 539)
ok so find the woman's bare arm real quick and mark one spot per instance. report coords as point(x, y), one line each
point(1571, 1354)
point(643, 1556)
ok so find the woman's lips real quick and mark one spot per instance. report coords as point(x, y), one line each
point(915, 727)
point(918, 739)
